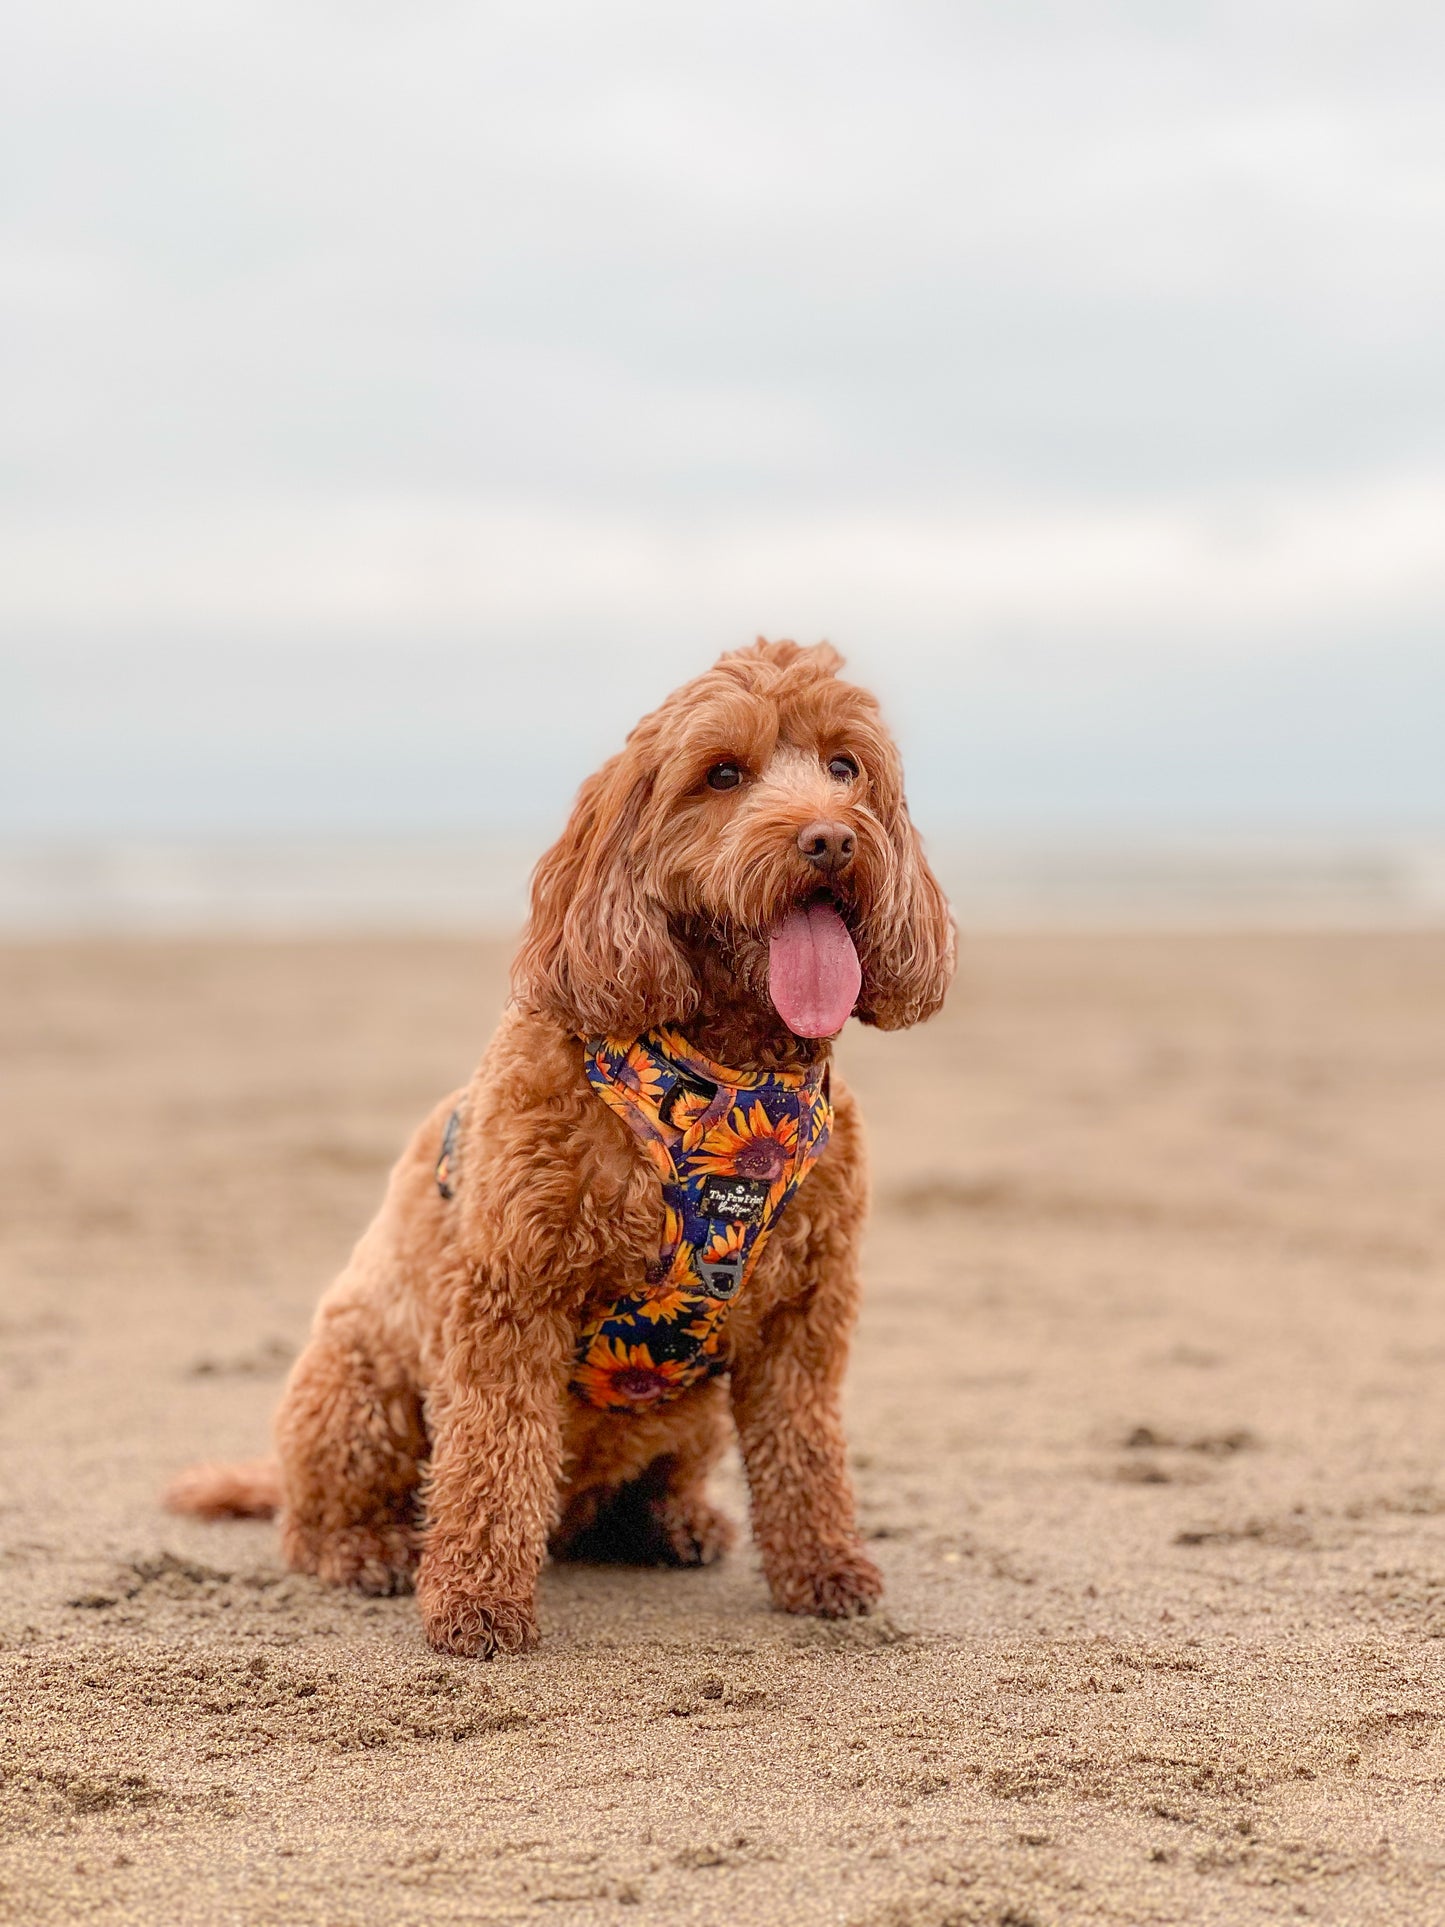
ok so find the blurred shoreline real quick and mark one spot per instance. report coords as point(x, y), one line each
point(477, 883)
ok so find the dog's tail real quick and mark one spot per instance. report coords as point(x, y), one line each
point(249, 1491)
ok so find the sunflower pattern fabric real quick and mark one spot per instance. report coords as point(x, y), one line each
point(731, 1147)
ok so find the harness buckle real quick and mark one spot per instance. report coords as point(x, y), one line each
point(723, 1277)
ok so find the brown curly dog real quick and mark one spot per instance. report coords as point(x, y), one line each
point(743, 876)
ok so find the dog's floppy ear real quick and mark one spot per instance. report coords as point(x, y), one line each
point(597, 953)
point(910, 946)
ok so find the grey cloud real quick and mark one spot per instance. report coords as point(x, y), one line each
point(680, 270)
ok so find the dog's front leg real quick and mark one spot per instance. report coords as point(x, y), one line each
point(495, 1416)
point(786, 1389)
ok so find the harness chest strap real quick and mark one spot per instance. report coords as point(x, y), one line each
point(731, 1148)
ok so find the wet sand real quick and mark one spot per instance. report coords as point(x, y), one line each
point(1147, 1406)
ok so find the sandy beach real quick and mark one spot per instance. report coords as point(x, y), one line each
point(1147, 1408)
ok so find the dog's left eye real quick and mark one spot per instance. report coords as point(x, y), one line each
point(724, 776)
point(842, 769)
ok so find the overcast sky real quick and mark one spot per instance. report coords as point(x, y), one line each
point(399, 397)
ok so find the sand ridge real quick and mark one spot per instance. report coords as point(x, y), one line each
point(1147, 1429)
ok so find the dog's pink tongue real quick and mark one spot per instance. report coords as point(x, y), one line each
point(813, 971)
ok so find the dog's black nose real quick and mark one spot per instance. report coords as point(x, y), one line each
point(829, 845)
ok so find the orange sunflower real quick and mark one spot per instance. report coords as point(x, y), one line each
point(663, 1302)
point(724, 1244)
point(619, 1375)
point(635, 1070)
point(711, 1337)
point(747, 1143)
point(687, 1107)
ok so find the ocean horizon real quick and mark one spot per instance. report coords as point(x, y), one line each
point(315, 885)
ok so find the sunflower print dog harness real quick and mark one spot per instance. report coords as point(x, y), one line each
point(731, 1147)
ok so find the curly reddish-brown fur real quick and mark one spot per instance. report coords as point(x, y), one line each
point(427, 1435)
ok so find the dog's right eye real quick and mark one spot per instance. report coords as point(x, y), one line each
point(724, 776)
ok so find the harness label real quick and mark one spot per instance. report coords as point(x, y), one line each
point(734, 1200)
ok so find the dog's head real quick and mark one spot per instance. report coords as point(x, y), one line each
point(750, 842)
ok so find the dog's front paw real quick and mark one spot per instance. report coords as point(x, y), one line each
point(838, 1588)
point(457, 1618)
point(480, 1629)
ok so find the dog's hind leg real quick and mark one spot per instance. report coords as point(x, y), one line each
point(660, 1515)
point(352, 1443)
